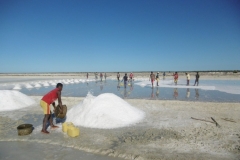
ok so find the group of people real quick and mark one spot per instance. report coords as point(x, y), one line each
point(125, 78)
point(175, 77)
point(100, 75)
point(154, 77)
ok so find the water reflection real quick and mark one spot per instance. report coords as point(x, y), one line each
point(134, 91)
point(196, 94)
point(188, 93)
point(175, 93)
point(157, 93)
point(128, 88)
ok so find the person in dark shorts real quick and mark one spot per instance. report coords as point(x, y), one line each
point(87, 75)
point(125, 79)
point(197, 79)
point(101, 76)
point(157, 78)
point(164, 74)
point(118, 76)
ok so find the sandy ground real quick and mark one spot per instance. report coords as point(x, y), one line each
point(167, 132)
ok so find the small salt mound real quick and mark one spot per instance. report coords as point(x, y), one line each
point(28, 85)
point(13, 100)
point(45, 84)
point(104, 111)
point(37, 85)
point(17, 87)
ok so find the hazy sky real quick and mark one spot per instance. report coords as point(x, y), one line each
point(119, 35)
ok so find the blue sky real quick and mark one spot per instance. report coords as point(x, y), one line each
point(119, 35)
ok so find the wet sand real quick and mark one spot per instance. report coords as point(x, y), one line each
point(167, 132)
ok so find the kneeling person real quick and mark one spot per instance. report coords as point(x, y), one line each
point(45, 103)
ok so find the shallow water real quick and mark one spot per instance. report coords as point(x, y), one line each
point(138, 92)
point(208, 90)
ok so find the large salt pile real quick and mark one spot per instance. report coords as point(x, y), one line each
point(104, 111)
point(13, 100)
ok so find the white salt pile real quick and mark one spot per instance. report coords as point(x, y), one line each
point(28, 85)
point(37, 85)
point(17, 87)
point(45, 84)
point(13, 100)
point(104, 111)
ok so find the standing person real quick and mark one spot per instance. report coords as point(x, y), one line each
point(96, 75)
point(197, 79)
point(87, 75)
point(125, 79)
point(45, 103)
point(175, 78)
point(188, 78)
point(105, 76)
point(157, 78)
point(131, 76)
point(118, 76)
point(152, 78)
point(101, 76)
point(164, 74)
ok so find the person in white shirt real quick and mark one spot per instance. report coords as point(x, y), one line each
point(188, 78)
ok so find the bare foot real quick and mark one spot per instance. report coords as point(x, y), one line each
point(45, 132)
point(54, 127)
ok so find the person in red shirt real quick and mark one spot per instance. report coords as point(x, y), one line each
point(45, 103)
point(175, 78)
point(131, 76)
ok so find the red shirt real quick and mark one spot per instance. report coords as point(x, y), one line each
point(175, 76)
point(51, 96)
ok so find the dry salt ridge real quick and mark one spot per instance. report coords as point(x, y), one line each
point(129, 129)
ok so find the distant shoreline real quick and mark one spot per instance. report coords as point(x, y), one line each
point(112, 75)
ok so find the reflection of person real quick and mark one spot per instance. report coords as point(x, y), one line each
point(152, 78)
point(125, 79)
point(175, 78)
point(157, 78)
point(118, 86)
point(45, 103)
point(101, 87)
point(188, 93)
point(118, 76)
point(131, 86)
point(175, 94)
point(157, 92)
point(188, 78)
point(164, 74)
point(197, 79)
point(196, 94)
point(152, 94)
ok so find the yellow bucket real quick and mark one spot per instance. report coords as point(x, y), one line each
point(73, 131)
point(66, 125)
